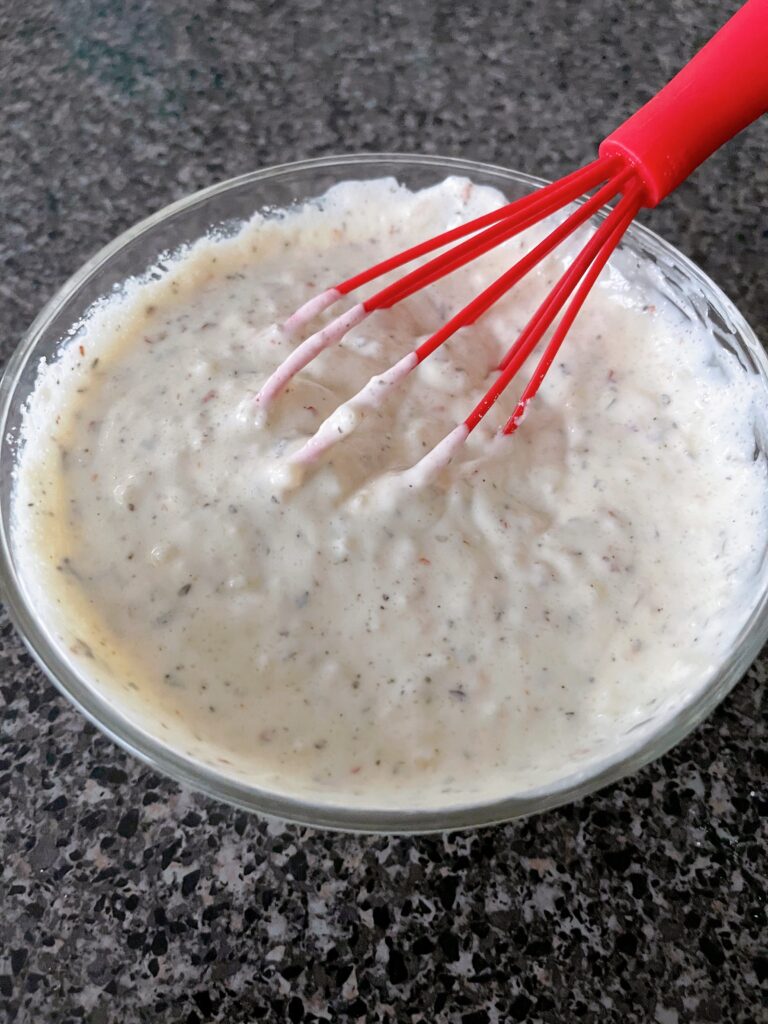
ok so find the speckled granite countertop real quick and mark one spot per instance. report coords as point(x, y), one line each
point(126, 898)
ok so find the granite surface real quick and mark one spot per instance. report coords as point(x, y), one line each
point(124, 897)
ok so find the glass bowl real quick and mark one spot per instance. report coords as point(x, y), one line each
point(223, 206)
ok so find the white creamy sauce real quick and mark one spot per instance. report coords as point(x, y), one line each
point(322, 628)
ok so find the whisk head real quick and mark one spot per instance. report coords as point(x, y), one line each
point(607, 177)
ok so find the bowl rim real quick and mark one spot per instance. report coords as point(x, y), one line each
point(188, 771)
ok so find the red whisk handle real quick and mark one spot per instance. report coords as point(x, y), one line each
point(720, 91)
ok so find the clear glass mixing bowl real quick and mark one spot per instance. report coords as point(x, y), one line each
point(225, 205)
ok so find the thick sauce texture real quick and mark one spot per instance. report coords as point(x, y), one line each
point(532, 610)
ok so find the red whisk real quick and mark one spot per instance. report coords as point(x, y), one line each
point(723, 89)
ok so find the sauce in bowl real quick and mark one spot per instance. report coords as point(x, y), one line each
point(350, 640)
